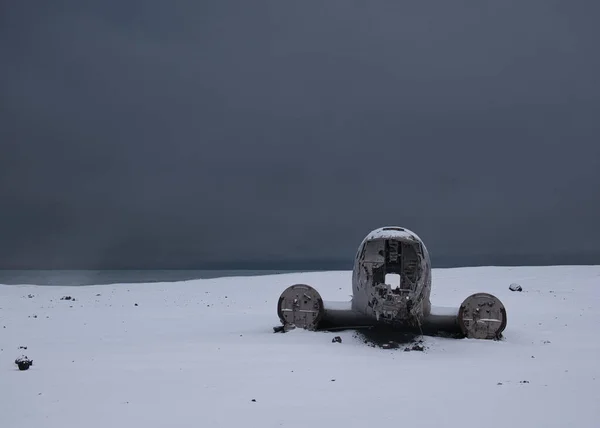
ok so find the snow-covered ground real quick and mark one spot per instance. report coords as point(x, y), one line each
point(203, 354)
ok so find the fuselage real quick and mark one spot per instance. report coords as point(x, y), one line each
point(391, 278)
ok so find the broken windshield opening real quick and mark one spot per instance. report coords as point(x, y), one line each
point(393, 262)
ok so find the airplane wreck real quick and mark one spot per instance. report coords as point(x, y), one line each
point(391, 287)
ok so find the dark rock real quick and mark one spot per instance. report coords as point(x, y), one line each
point(22, 347)
point(135, 304)
point(254, 400)
point(524, 381)
point(515, 287)
point(336, 339)
point(31, 296)
point(67, 298)
point(278, 329)
point(23, 363)
point(417, 347)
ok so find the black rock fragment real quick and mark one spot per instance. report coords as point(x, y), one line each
point(23, 363)
point(515, 287)
point(336, 339)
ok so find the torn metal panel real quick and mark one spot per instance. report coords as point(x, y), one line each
point(391, 285)
point(392, 253)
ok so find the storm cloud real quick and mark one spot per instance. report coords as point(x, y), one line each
point(196, 133)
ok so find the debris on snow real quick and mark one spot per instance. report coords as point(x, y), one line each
point(23, 362)
point(515, 287)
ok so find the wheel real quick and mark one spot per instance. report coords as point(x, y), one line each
point(300, 306)
point(482, 316)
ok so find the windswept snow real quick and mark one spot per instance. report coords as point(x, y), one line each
point(203, 354)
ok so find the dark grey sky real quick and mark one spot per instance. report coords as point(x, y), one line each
point(171, 134)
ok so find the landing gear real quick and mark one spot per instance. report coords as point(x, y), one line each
point(482, 316)
point(300, 306)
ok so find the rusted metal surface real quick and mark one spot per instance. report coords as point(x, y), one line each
point(392, 250)
point(391, 285)
point(301, 306)
point(482, 316)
